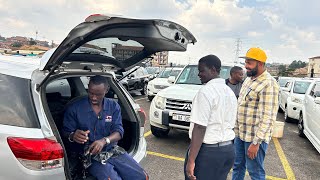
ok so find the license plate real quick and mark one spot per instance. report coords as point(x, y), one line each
point(181, 117)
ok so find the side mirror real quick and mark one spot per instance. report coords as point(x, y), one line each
point(171, 79)
point(317, 100)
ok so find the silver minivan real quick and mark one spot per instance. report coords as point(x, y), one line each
point(35, 92)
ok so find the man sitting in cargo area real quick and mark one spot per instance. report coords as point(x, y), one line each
point(93, 125)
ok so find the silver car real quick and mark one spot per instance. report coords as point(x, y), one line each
point(34, 93)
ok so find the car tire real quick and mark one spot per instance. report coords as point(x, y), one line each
point(150, 98)
point(286, 117)
point(144, 89)
point(158, 132)
point(301, 126)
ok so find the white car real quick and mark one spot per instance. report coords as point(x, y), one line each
point(35, 93)
point(292, 98)
point(161, 81)
point(171, 107)
point(283, 81)
point(309, 121)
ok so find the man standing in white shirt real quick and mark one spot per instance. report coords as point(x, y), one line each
point(211, 153)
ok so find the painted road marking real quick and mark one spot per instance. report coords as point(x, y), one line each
point(182, 159)
point(147, 134)
point(139, 99)
point(289, 173)
point(165, 156)
point(283, 159)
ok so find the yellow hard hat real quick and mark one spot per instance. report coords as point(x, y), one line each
point(256, 54)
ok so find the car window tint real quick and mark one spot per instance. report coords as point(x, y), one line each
point(300, 87)
point(16, 104)
point(315, 92)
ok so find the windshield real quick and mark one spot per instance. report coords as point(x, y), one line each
point(190, 73)
point(153, 70)
point(169, 72)
point(300, 87)
point(283, 82)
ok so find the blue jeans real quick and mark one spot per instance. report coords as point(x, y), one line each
point(242, 162)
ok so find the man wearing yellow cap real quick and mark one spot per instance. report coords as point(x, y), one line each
point(257, 112)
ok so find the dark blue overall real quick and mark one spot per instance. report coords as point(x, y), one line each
point(80, 115)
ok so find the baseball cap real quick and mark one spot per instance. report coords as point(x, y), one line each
point(256, 54)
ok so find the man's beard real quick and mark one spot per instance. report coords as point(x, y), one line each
point(253, 71)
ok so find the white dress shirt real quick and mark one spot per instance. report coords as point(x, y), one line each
point(214, 106)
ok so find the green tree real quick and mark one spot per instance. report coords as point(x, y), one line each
point(31, 42)
point(282, 70)
point(297, 64)
point(16, 44)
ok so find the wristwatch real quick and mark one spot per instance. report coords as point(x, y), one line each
point(255, 142)
point(70, 137)
point(107, 140)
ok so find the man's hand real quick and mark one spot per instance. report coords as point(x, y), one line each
point(253, 151)
point(97, 146)
point(81, 136)
point(190, 170)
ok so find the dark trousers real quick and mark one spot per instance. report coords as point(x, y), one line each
point(122, 167)
point(212, 162)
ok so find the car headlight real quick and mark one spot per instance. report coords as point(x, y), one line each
point(160, 102)
point(297, 100)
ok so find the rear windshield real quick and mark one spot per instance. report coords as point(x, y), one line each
point(16, 105)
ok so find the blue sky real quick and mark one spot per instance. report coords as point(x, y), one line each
point(285, 29)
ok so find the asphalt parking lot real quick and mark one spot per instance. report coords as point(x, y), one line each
point(290, 157)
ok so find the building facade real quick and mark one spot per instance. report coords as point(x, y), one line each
point(124, 52)
point(160, 59)
point(314, 66)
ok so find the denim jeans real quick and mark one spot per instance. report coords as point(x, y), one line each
point(242, 162)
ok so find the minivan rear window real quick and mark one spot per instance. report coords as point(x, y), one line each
point(16, 104)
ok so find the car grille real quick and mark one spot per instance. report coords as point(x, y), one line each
point(179, 105)
point(160, 86)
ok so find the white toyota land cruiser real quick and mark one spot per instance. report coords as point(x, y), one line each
point(171, 107)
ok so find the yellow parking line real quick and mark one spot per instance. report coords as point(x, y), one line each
point(147, 134)
point(165, 156)
point(283, 159)
point(182, 159)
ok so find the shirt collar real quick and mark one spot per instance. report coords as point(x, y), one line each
point(104, 103)
point(216, 80)
point(261, 77)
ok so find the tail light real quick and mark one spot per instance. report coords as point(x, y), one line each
point(142, 116)
point(37, 154)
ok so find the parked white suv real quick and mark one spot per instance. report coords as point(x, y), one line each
point(171, 107)
point(309, 121)
point(292, 98)
point(161, 81)
point(34, 95)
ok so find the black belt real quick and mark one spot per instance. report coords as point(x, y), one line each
point(218, 144)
